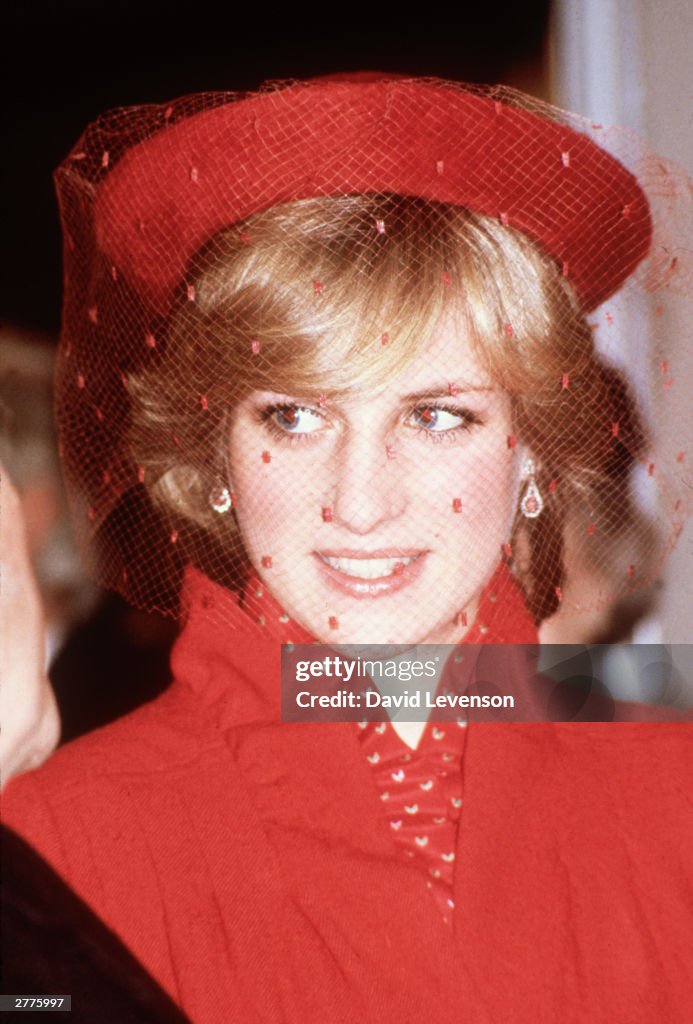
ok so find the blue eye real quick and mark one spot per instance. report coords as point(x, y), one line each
point(435, 420)
point(296, 419)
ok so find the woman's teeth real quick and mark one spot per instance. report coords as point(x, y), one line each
point(368, 568)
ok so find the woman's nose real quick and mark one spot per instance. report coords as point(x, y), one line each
point(369, 488)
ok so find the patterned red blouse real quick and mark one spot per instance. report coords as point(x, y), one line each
point(421, 791)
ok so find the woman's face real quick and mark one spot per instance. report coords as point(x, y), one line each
point(380, 519)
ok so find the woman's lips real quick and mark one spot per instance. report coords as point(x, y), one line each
point(372, 574)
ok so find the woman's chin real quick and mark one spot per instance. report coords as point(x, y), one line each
point(375, 650)
point(362, 635)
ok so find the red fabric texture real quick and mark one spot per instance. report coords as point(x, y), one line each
point(170, 193)
point(246, 861)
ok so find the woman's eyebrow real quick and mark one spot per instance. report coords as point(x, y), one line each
point(447, 390)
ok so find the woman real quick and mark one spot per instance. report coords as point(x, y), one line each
point(336, 332)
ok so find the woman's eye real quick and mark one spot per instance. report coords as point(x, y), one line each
point(296, 419)
point(437, 421)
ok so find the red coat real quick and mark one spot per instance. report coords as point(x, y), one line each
point(246, 863)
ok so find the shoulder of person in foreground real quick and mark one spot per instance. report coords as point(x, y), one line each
point(53, 942)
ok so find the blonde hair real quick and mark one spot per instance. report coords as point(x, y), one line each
point(334, 295)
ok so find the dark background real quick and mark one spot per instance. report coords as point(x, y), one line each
point(66, 62)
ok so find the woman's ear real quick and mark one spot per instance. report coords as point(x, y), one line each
point(523, 459)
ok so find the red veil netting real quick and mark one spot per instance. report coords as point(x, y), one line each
point(302, 254)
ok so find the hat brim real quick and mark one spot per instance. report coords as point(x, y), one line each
point(172, 192)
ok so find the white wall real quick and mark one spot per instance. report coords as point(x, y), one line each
point(629, 62)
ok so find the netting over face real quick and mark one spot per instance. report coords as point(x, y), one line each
point(328, 343)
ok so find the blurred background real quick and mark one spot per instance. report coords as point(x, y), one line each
point(624, 61)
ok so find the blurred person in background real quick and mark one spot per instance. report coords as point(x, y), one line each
point(35, 535)
point(81, 625)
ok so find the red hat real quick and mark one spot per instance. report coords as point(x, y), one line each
point(171, 192)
